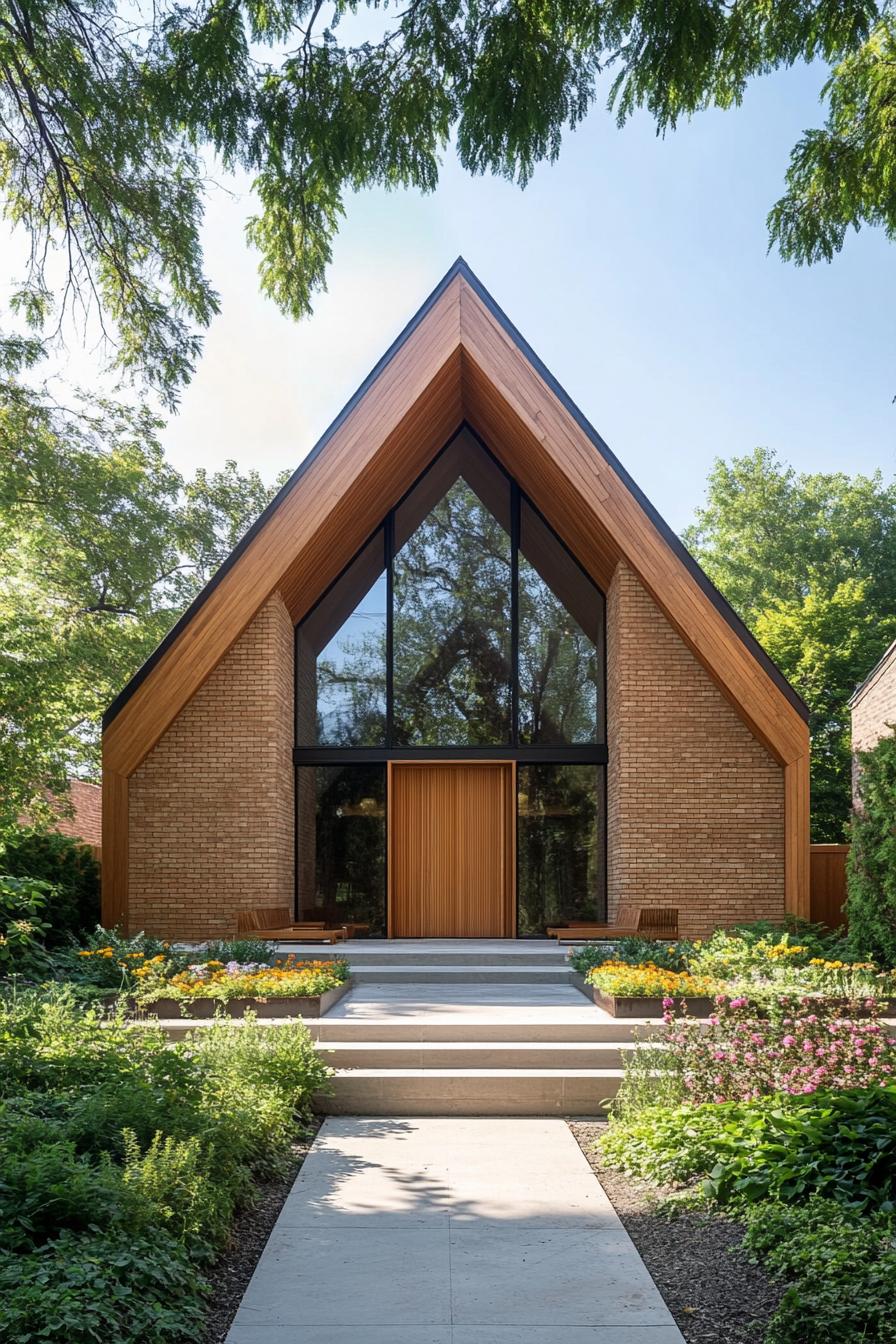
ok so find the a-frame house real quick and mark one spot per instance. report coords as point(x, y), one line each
point(459, 679)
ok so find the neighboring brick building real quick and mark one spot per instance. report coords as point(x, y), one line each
point(873, 708)
point(86, 819)
point(460, 677)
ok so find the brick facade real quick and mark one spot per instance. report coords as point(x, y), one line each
point(211, 807)
point(695, 804)
point(873, 709)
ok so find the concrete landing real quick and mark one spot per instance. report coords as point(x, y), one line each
point(450, 1231)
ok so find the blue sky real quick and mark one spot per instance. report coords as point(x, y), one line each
point(635, 266)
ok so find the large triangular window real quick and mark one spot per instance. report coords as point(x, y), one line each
point(463, 623)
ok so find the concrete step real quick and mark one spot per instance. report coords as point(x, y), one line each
point(388, 1092)
point(451, 1030)
point(503, 974)
point(362, 956)
point(478, 1055)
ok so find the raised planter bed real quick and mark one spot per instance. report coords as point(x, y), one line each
point(636, 1006)
point(314, 1005)
point(633, 1006)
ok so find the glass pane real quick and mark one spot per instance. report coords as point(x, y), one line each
point(560, 849)
point(341, 659)
point(452, 605)
point(341, 849)
point(561, 616)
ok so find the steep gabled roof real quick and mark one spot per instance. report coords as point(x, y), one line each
point(459, 360)
point(888, 658)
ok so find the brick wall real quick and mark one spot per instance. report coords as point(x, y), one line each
point(211, 807)
point(695, 805)
point(86, 819)
point(874, 709)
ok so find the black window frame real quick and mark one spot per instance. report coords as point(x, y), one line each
point(587, 752)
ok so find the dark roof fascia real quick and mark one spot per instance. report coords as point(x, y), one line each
point(460, 268)
point(143, 672)
point(872, 675)
point(703, 580)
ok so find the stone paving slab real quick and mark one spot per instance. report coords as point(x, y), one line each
point(450, 1231)
point(522, 1003)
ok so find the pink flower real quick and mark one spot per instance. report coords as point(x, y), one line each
point(789, 1040)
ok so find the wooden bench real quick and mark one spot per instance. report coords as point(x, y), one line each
point(276, 922)
point(655, 922)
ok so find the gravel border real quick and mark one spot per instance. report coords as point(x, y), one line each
point(713, 1291)
point(230, 1274)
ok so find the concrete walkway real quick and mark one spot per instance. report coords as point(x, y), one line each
point(450, 1231)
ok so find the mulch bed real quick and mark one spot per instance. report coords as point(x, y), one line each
point(715, 1294)
point(231, 1272)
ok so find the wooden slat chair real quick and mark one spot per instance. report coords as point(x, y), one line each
point(276, 922)
point(650, 922)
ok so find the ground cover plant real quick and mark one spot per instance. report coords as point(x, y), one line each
point(780, 1108)
point(123, 1158)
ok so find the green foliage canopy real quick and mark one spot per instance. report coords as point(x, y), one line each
point(871, 874)
point(809, 562)
point(109, 112)
point(102, 546)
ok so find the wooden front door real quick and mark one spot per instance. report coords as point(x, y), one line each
point(451, 850)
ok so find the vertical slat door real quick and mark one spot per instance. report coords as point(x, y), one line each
point(451, 871)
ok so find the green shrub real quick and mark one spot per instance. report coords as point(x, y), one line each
point(51, 1187)
point(22, 925)
point(871, 868)
point(105, 959)
point(123, 1159)
point(838, 1144)
point(169, 1183)
point(71, 869)
point(817, 939)
point(89, 1288)
point(236, 949)
point(842, 1268)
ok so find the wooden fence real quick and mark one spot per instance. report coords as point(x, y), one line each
point(827, 884)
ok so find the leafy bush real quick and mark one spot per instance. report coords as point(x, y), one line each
point(838, 1144)
point(89, 1288)
point(71, 870)
point(842, 1267)
point(123, 1158)
point(22, 925)
point(817, 939)
point(105, 959)
point(236, 949)
point(871, 868)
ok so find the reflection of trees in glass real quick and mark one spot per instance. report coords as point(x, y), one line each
point(451, 634)
point(558, 668)
point(342, 840)
point(351, 677)
point(560, 855)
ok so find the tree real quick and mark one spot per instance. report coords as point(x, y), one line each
point(871, 872)
point(108, 112)
point(102, 545)
point(809, 562)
